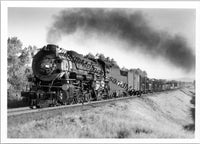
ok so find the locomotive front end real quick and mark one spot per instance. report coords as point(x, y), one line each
point(50, 73)
point(48, 64)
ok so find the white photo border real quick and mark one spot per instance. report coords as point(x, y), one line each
point(97, 4)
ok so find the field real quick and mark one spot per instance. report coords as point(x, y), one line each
point(161, 115)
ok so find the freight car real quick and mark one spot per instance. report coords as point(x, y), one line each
point(66, 77)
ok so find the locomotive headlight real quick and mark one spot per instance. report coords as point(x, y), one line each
point(47, 66)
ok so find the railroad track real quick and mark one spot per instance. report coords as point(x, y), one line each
point(12, 110)
point(24, 115)
point(27, 110)
point(17, 111)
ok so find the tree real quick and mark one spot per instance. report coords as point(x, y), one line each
point(124, 69)
point(113, 62)
point(108, 59)
point(14, 49)
point(18, 65)
point(90, 56)
point(145, 73)
point(27, 55)
point(100, 56)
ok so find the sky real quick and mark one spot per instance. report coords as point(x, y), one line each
point(31, 26)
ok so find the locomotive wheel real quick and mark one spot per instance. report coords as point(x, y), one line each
point(62, 97)
point(80, 99)
point(86, 97)
point(139, 94)
point(70, 101)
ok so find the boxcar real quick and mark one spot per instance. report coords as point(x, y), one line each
point(118, 81)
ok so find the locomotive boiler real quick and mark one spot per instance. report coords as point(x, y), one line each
point(64, 77)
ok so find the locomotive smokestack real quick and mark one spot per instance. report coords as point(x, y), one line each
point(51, 47)
point(131, 27)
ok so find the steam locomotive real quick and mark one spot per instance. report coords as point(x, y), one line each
point(65, 77)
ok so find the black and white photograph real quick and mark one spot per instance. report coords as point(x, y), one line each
point(97, 71)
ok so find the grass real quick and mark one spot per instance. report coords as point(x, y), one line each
point(15, 100)
point(160, 116)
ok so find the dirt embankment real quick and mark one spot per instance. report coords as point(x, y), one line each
point(162, 115)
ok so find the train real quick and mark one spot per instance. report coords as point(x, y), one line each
point(64, 77)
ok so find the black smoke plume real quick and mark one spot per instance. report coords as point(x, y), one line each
point(131, 27)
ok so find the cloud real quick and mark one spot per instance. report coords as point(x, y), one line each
point(130, 27)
